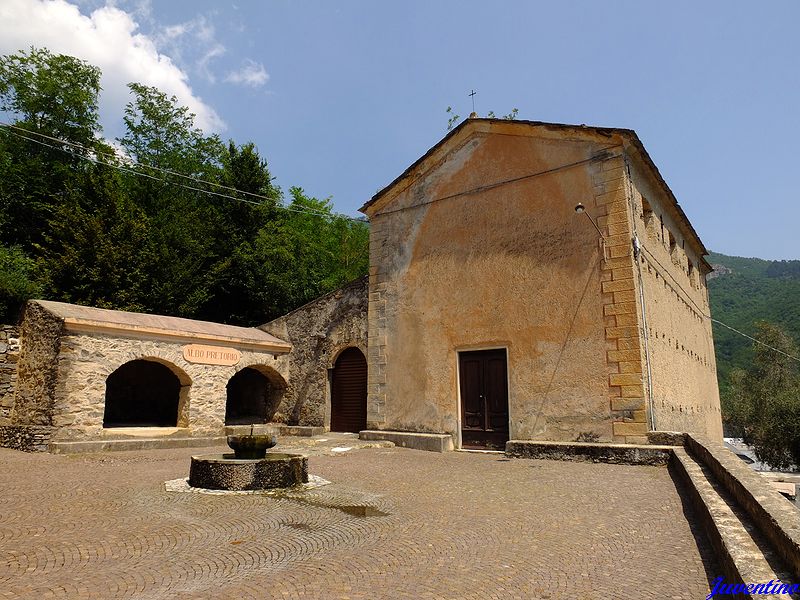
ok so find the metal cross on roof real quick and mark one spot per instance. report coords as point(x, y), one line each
point(472, 95)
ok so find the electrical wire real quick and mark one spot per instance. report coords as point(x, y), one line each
point(601, 155)
point(478, 189)
point(664, 271)
point(124, 169)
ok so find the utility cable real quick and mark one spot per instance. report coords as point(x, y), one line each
point(95, 160)
point(124, 169)
point(664, 271)
point(601, 155)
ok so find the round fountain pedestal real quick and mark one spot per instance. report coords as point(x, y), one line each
point(226, 472)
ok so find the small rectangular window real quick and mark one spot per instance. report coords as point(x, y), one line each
point(647, 212)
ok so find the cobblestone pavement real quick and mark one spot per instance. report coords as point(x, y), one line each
point(394, 523)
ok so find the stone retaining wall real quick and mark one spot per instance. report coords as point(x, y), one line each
point(33, 438)
point(9, 354)
point(318, 332)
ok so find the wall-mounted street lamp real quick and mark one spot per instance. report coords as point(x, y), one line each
point(581, 209)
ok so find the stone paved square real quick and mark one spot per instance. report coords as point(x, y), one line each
point(393, 523)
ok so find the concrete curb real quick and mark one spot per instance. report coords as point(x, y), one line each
point(432, 442)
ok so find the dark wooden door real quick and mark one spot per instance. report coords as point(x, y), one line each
point(484, 399)
point(349, 392)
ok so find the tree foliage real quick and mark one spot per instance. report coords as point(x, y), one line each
point(175, 223)
point(763, 402)
point(744, 291)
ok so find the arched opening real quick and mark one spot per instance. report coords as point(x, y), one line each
point(349, 392)
point(142, 393)
point(253, 396)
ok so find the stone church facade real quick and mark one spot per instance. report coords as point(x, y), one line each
point(527, 281)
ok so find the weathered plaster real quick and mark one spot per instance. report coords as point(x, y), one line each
point(509, 266)
point(681, 346)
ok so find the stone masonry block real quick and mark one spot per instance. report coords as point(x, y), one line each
point(621, 332)
point(630, 428)
point(640, 416)
point(625, 296)
point(623, 355)
point(619, 251)
point(614, 263)
point(623, 379)
point(618, 229)
point(623, 308)
point(627, 404)
point(629, 343)
point(631, 391)
point(636, 439)
point(615, 195)
point(623, 272)
point(610, 175)
point(614, 218)
point(630, 319)
point(619, 285)
point(618, 240)
point(630, 367)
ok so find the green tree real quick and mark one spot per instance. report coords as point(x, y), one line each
point(161, 133)
point(98, 250)
point(186, 225)
point(53, 95)
point(763, 401)
point(16, 282)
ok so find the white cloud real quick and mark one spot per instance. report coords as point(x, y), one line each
point(252, 74)
point(109, 39)
point(195, 38)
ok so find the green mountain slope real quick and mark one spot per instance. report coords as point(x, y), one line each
point(745, 290)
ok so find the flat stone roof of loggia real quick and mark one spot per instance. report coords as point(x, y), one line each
point(85, 319)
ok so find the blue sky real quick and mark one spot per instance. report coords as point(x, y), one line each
point(341, 97)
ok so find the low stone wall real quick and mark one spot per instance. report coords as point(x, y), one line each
point(28, 438)
point(9, 354)
point(771, 513)
point(626, 454)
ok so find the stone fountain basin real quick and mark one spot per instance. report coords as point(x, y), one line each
point(251, 446)
point(226, 472)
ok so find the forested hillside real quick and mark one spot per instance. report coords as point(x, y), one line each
point(165, 219)
point(744, 291)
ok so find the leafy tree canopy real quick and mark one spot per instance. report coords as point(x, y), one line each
point(193, 228)
point(763, 402)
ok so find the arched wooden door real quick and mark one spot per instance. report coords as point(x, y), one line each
point(349, 392)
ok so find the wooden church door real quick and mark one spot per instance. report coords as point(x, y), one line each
point(484, 398)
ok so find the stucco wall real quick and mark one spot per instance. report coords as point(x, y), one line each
point(501, 266)
point(318, 332)
point(681, 347)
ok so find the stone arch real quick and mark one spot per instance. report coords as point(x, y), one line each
point(253, 395)
point(147, 391)
point(337, 350)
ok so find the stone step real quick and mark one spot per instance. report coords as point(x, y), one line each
point(745, 555)
point(134, 444)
